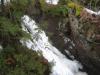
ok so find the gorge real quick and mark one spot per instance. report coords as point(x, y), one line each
point(63, 36)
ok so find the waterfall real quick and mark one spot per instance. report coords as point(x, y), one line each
point(40, 43)
point(52, 1)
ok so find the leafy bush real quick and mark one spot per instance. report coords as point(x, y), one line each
point(7, 27)
point(58, 11)
point(10, 30)
point(54, 10)
point(22, 61)
point(20, 6)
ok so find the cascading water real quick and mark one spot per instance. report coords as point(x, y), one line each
point(52, 1)
point(39, 42)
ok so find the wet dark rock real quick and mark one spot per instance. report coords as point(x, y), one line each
point(81, 51)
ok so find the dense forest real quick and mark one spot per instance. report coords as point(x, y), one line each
point(73, 19)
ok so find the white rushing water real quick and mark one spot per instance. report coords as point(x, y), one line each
point(92, 12)
point(39, 42)
point(52, 1)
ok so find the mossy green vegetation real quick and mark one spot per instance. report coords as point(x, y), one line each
point(53, 10)
point(10, 31)
point(58, 11)
point(62, 8)
point(78, 8)
point(19, 7)
point(8, 28)
point(16, 59)
point(64, 2)
point(43, 5)
point(20, 60)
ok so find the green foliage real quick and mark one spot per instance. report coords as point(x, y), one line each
point(43, 5)
point(10, 30)
point(10, 22)
point(22, 61)
point(7, 28)
point(18, 15)
point(74, 6)
point(19, 7)
point(21, 4)
point(17, 71)
point(58, 11)
point(62, 8)
point(64, 2)
point(54, 10)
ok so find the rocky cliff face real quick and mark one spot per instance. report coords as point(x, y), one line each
point(83, 35)
point(86, 49)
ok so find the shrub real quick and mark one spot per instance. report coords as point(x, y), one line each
point(10, 30)
point(58, 11)
point(22, 62)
